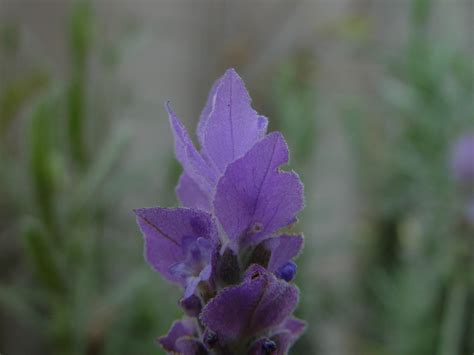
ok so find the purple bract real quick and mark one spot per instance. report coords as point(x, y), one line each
point(226, 245)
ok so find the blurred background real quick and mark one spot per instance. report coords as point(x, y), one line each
point(372, 96)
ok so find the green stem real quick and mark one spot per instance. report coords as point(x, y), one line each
point(454, 318)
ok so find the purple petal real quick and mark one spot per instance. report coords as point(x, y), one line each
point(288, 333)
point(259, 303)
point(190, 194)
point(193, 163)
point(190, 346)
point(193, 282)
point(231, 127)
point(295, 326)
point(254, 198)
point(283, 249)
point(201, 129)
point(180, 328)
point(206, 273)
point(191, 285)
point(164, 230)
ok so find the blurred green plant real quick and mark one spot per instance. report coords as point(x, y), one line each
point(293, 97)
point(71, 293)
point(81, 35)
point(16, 94)
point(416, 283)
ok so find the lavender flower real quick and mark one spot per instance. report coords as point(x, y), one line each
point(462, 160)
point(225, 246)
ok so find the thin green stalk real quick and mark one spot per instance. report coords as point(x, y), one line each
point(454, 318)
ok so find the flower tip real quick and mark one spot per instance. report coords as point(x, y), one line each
point(168, 106)
point(138, 211)
point(231, 71)
point(232, 74)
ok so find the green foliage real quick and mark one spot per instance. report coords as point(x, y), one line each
point(413, 268)
point(80, 305)
point(16, 95)
point(81, 36)
point(43, 259)
point(42, 159)
point(293, 98)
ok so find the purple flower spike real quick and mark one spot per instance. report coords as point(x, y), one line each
point(260, 302)
point(224, 247)
point(462, 160)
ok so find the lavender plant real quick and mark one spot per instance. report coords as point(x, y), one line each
point(228, 246)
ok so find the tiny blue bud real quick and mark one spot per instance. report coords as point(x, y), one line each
point(269, 346)
point(287, 272)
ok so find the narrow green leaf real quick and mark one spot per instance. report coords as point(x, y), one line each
point(43, 259)
point(14, 302)
point(41, 153)
point(98, 172)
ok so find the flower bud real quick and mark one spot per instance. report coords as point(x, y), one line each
point(192, 305)
point(287, 272)
point(263, 346)
point(210, 338)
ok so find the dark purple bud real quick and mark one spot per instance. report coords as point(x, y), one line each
point(263, 346)
point(241, 294)
point(210, 338)
point(192, 305)
point(462, 159)
point(287, 272)
point(269, 346)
